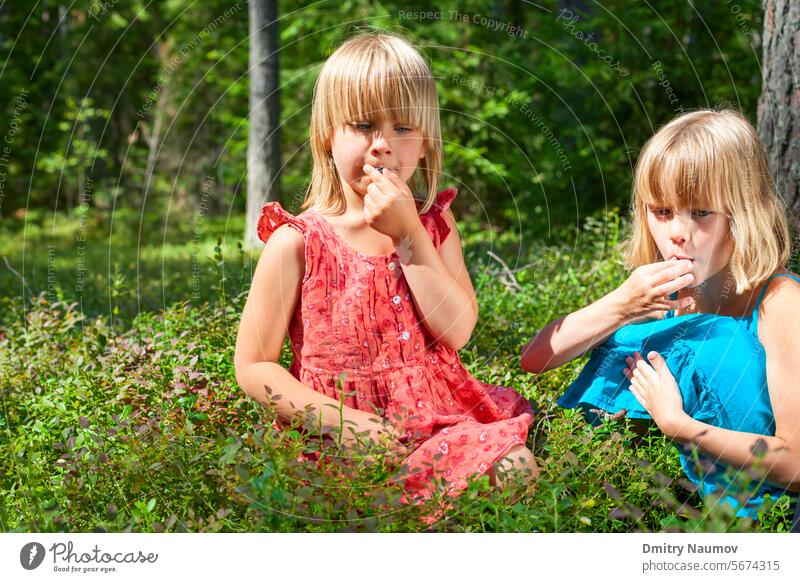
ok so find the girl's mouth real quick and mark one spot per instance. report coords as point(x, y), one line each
point(382, 169)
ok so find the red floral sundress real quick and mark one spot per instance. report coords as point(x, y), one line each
point(356, 317)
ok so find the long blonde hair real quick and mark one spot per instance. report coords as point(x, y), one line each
point(373, 75)
point(714, 160)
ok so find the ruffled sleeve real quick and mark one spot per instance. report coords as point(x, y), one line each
point(434, 220)
point(273, 216)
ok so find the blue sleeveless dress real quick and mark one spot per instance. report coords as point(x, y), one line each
point(720, 367)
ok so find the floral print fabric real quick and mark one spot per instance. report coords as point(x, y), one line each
point(356, 317)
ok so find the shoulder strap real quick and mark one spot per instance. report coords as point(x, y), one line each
point(754, 318)
point(790, 275)
point(764, 290)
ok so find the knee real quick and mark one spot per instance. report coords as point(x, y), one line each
point(519, 459)
point(526, 460)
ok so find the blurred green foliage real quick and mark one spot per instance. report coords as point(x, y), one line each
point(544, 106)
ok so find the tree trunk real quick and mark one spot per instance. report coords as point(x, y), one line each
point(71, 197)
point(152, 136)
point(263, 142)
point(779, 105)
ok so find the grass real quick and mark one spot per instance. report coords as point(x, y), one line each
point(120, 410)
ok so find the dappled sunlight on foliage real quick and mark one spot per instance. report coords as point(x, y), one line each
point(142, 427)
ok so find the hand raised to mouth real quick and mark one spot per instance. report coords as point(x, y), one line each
point(389, 205)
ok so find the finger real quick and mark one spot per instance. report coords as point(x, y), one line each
point(380, 188)
point(372, 172)
point(673, 304)
point(674, 284)
point(639, 396)
point(675, 269)
point(634, 388)
point(393, 178)
point(371, 212)
point(369, 203)
point(663, 304)
point(657, 268)
point(635, 376)
point(653, 267)
point(655, 311)
point(645, 370)
point(668, 271)
point(378, 195)
point(389, 182)
point(659, 365)
point(377, 179)
point(638, 360)
point(638, 392)
point(372, 192)
point(638, 378)
point(638, 372)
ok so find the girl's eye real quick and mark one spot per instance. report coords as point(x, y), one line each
point(702, 213)
point(360, 125)
point(660, 211)
point(403, 129)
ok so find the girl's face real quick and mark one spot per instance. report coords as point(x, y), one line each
point(703, 236)
point(379, 142)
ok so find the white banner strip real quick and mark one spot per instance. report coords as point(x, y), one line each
point(406, 557)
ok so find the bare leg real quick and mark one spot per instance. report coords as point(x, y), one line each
point(519, 460)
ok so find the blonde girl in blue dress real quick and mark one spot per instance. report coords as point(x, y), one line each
point(704, 336)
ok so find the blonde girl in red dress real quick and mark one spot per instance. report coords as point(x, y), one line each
point(370, 284)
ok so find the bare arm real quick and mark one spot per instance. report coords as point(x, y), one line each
point(439, 281)
point(273, 297)
point(778, 457)
point(643, 295)
point(566, 338)
point(440, 285)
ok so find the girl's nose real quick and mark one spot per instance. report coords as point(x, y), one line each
point(679, 230)
point(380, 147)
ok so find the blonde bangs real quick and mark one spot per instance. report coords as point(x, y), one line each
point(713, 160)
point(369, 78)
point(371, 86)
point(682, 175)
